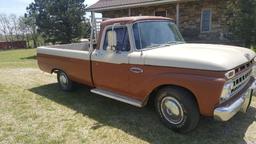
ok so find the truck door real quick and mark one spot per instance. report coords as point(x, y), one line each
point(110, 68)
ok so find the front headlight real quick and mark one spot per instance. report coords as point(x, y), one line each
point(226, 92)
point(254, 70)
point(254, 67)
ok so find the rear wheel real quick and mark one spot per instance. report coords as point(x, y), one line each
point(177, 109)
point(64, 81)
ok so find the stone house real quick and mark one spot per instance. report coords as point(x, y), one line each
point(198, 20)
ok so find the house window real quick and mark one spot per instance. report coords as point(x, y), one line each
point(161, 13)
point(206, 20)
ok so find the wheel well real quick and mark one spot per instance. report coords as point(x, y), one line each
point(152, 95)
point(55, 70)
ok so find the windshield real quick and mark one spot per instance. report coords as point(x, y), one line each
point(151, 34)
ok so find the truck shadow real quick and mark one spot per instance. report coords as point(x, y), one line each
point(29, 57)
point(144, 123)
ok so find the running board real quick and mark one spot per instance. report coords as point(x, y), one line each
point(117, 97)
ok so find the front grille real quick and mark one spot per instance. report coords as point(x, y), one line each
point(243, 67)
point(240, 81)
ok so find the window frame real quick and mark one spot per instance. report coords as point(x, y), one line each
point(116, 26)
point(210, 22)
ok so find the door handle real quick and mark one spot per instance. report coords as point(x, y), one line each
point(136, 70)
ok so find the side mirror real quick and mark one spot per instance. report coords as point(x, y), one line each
point(112, 40)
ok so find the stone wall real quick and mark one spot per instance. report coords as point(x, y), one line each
point(190, 18)
point(115, 13)
point(146, 11)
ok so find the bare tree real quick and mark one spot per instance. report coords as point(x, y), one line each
point(30, 21)
point(14, 25)
point(24, 29)
point(4, 26)
point(10, 30)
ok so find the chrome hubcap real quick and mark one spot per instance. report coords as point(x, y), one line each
point(172, 110)
point(63, 80)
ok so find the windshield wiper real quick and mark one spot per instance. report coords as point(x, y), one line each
point(154, 45)
point(164, 44)
point(173, 42)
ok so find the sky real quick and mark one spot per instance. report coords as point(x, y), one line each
point(18, 7)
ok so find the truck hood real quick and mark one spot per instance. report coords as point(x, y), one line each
point(199, 56)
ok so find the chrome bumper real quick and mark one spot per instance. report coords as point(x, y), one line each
point(227, 112)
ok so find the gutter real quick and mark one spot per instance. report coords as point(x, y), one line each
point(100, 9)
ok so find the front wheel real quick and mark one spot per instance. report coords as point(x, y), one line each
point(177, 109)
point(64, 81)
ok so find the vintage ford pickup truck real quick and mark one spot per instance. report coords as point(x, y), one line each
point(142, 59)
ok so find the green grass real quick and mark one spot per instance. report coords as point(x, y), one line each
point(34, 110)
point(18, 58)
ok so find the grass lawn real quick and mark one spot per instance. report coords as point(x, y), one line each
point(34, 110)
point(18, 58)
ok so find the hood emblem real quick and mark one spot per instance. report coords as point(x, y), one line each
point(247, 56)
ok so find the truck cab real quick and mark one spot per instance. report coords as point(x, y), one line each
point(118, 60)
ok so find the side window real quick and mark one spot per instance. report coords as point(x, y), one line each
point(206, 20)
point(123, 43)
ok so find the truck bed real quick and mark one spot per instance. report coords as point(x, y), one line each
point(74, 50)
point(73, 59)
point(74, 46)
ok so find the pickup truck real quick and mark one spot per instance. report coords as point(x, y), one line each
point(140, 59)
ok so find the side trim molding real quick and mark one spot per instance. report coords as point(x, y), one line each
point(68, 53)
point(117, 97)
